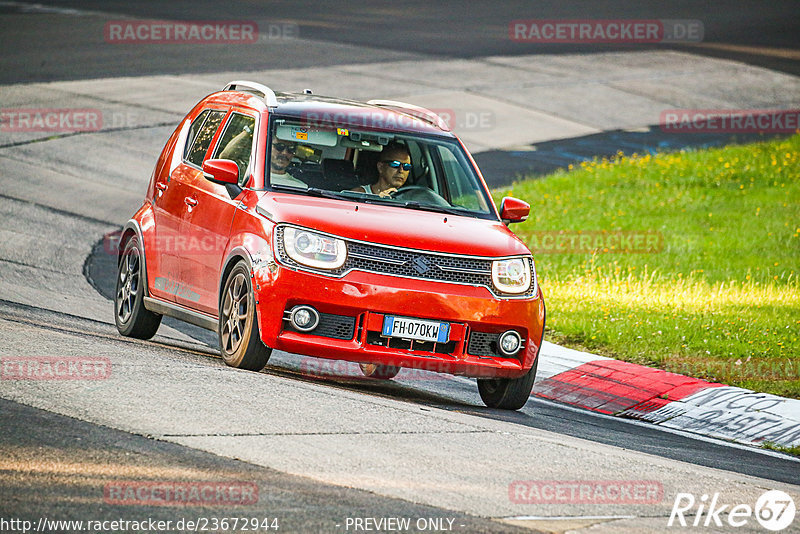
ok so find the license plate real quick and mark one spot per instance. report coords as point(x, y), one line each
point(418, 329)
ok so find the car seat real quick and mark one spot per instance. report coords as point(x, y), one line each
point(339, 174)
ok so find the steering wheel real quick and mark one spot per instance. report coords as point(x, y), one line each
point(421, 194)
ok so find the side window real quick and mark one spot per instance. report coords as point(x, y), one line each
point(195, 127)
point(237, 142)
point(200, 143)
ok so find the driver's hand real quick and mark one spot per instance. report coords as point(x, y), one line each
point(387, 192)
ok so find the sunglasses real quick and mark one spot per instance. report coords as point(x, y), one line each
point(285, 147)
point(397, 164)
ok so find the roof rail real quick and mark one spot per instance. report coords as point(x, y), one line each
point(417, 111)
point(252, 87)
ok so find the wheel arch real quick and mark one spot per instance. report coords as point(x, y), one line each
point(131, 229)
point(544, 324)
point(235, 255)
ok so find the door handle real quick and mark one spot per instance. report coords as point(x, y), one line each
point(161, 186)
point(190, 201)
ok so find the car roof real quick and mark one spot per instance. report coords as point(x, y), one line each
point(374, 115)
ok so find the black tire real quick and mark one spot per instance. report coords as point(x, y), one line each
point(239, 340)
point(508, 393)
point(130, 315)
point(381, 372)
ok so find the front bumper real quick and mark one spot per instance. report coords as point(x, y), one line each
point(474, 313)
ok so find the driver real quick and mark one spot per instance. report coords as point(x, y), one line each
point(394, 165)
point(279, 161)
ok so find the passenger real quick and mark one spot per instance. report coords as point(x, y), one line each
point(279, 161)
point(238, 150)
point(394, 164)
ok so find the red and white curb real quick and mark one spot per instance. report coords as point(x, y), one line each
point(667, 399)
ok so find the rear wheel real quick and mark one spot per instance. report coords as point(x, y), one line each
point(130, 315)
point(239, 340)
point(382, 372)
point(508, 393)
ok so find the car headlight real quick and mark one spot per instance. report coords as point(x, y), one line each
point(512, 275)
point(314, 250)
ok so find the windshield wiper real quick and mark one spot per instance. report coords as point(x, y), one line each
point(312, 191)
point(291, 188)
point(345, 195)
point(413, 204)
point(326, 193)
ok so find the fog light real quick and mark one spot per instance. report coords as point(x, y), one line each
point(510, 342)
point(304, 318)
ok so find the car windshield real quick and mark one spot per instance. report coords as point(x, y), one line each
point(359, 165)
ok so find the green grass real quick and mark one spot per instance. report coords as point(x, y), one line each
point(718, 297)
point(794, 451)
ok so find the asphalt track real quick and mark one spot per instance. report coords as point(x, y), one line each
point(760, 33)
point(40, 445)
point(38, 439)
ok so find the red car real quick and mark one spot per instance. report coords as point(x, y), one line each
point(336, 229)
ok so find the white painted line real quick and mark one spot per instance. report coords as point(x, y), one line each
point(565, 518)
point(28, 7)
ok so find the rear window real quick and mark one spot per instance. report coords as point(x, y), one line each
point(198, 143)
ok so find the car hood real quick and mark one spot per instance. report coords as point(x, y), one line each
point(393, 225)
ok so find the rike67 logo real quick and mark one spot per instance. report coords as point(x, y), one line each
point(774, 510)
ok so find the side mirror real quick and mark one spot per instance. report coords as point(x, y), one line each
point(221, 171)
point(514, 210)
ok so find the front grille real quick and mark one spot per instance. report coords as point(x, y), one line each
point(408, 263)
point(330, 325)
point(375, 338)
